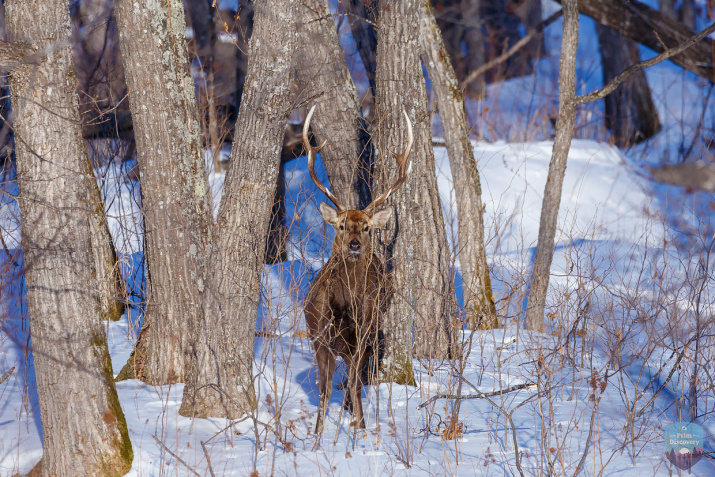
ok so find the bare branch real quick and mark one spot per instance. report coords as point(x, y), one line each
point(613, 84)
point(176, 456)
point(477, 396)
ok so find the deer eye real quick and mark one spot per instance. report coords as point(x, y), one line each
point(341, 227)
point(366, 228)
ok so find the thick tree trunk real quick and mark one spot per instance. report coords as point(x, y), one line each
point(557, 170)
point(220, 382)
point(478, 301)
point(629, 111)
point(421, 255)
point(322, 72)
point(175, 194)
point(653, 29)
point(83, 427)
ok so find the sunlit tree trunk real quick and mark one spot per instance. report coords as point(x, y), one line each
point(557, 170)
point(83, 427)
point(477, 287)
point(221, 378)
point(175, 194)
point(420, 254)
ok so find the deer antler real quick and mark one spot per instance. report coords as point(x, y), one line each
point(312, 151)
point(403, 170)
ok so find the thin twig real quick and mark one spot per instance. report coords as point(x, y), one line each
point(511, 51)
point(203, 446)
point(6, 375)
point(631, 70)
point(476, 396)
point(175, 456)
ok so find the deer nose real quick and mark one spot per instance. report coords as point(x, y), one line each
point(354, 245)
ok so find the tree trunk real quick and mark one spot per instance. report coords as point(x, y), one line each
point(478, 302)
point(502, 26)
point(629, 111)
point(362, 17)
point(95, 90)
point(474, 44)
point(653, 29)
point(83, 427)
point(175, 194)
point(322, 72)
point(220, 382)
point(421, 255)
point(557, 170)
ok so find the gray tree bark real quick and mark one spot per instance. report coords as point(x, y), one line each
point(420, 254)
point(478, 302)
point(83, 427)
point(95, 92)
point(557, 169)
point(221, 377)
point(322, 72)
point(175, 194)
point(629, 111)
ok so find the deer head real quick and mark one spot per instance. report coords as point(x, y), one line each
point(353, 227)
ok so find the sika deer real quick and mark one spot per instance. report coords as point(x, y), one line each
point(345, 302)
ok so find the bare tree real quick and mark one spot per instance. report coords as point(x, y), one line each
point(557, 169)
point(174, 188)
point(420, 255)
point(220, 381)
point(465, 176)
point(84, 431)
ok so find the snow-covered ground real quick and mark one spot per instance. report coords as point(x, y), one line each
point(627, 285)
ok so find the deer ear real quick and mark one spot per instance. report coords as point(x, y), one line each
point(329, 214)
point(379, 219)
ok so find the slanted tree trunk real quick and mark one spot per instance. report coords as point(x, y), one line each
point(478, 301)
point(175, 194)
point(629, 111)
point(220, 381)
point(322, 72)
point(83, 427)
point(95, 92)
point(557, 169)
point(420, 254)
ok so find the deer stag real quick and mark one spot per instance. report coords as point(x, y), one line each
point(351, 292)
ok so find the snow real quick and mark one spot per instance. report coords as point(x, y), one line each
point(622, 296)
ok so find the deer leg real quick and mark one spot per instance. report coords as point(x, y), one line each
point(326, 368)
point(359, 362)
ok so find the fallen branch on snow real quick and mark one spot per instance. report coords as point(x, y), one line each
point(476, 396)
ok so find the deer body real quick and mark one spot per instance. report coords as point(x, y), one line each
point(352, 291)
point(342, 312)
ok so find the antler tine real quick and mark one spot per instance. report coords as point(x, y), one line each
point(403, 170)
point(312, 151)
